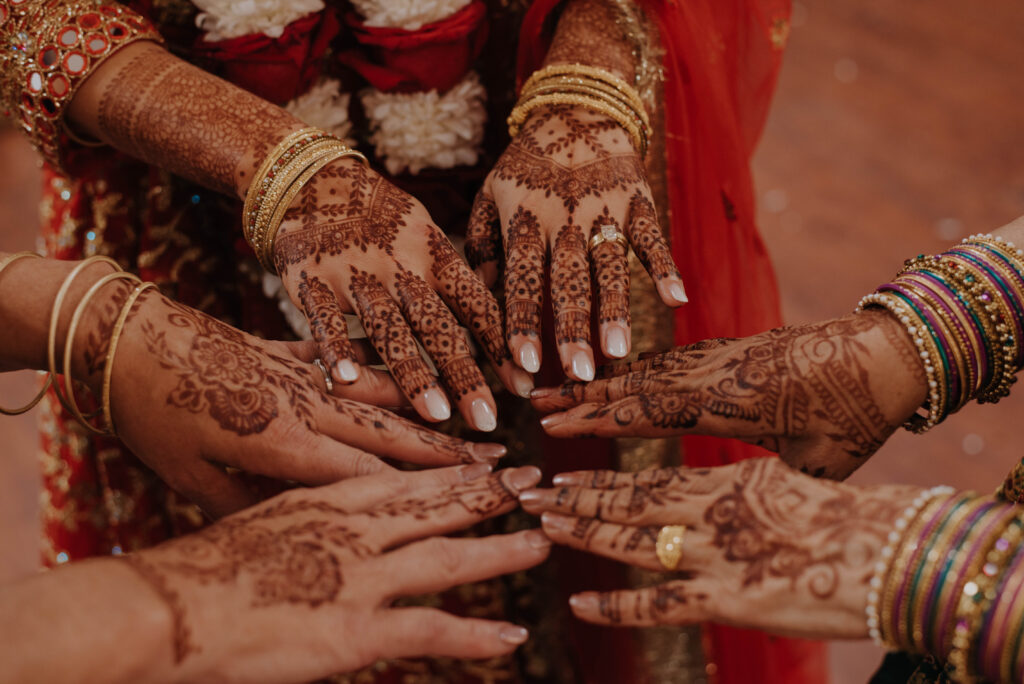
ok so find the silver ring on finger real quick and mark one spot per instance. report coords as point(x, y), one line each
point(327, 375)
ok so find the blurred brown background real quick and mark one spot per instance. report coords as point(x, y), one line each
point(895, 130)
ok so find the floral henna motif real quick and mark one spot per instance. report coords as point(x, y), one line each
point(390, 335)
point(483, 233)
point(326, 320)
point(370, 216)
point(647, 240)
point(473, 303)
point(187, 121)
point(611, 274)
point(570, 286)
point(440, 333)
point(524, 275)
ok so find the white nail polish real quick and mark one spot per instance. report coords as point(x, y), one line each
point(522, 383)
point(437, 405)
point(582, 366)
point(615, 342)
point(678, 293)
point(483, 415)
point(347, 371)
point(528, 358)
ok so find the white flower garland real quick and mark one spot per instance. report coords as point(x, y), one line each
point(407, 14)
point(414, 131)
point(326, 107)
point(224, 19)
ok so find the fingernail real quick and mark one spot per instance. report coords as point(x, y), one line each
point(615, 342)
point(347, 371)
point(564, 479)
point(475, 471)
point(582, 366)
point(487, 451)
point(530, 496)
point(584, 602)
point(437, 405)
point(522, 382)
point(529, 359)
point(551, 521)
point(522, 479)
point(548, 422)
point(483, 415)
point(513, 635)
point(676, 291)
point(542, 392)
point(537, 539)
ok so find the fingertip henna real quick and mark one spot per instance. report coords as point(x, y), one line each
point(326, 321)
point(647, 239)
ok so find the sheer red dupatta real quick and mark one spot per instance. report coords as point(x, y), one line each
point(722, 59)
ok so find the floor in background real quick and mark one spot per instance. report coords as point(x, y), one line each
point(895, 130)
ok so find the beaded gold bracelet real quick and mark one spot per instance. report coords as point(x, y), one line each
point(10, 259)
point(54, 48)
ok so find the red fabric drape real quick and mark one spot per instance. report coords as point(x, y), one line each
point(721, 63)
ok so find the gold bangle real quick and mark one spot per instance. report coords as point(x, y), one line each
point(69, 384)
point(597, 73)
point(267, 252)
point(271, 163)
point(7, 261)
point(58, 304)
point(604, 95)
point(522, 111)
point(115, 337)
point(580, 81)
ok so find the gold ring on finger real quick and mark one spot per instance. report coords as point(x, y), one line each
point(669, 546)
point(609, 232)
point(327, 375)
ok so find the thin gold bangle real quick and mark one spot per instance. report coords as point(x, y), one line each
point(58, 303)
point(115, 337)
point(49, 378)
point(76, 318)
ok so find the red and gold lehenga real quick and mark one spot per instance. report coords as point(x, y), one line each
point(721, 60)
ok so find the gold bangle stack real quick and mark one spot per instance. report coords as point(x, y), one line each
point(53, 49)
point(279, 178)
point(584, 86)
point(49, 378)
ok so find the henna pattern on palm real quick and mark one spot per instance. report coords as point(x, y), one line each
point(441, 335)
point(611, 274)
point(389, 334)
point(371, 215)
point(188, 121)
point(524, 278)
point(570, 286)
point(326, 320)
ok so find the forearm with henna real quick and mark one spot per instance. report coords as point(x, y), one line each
point(588, 33)
point(157, 107)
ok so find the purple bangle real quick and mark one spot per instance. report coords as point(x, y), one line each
point(997, 283)
point(952, 373)
point(988, 657)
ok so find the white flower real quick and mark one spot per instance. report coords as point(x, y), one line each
point(418, 130)
point(326, 107)
point(407, 14)
point(223, 19)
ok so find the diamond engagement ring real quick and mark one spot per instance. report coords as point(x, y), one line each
point(609, 233)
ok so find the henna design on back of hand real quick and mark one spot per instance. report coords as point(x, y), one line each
point(570, 286)
point(647, 239)
point(611, 274)
point(326, 321)
point(524, 275)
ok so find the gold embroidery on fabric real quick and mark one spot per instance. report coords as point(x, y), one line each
point(779, 33)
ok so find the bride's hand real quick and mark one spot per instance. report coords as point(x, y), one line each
point(191, 395)
point(824, 396)
point(567, 176)
point(765, 546)
point(354, 242)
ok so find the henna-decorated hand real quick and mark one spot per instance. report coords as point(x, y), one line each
point(355, 242)
point(567, 173)
point(191, 395)
point(300, 587)
point(765, 546)
point(824, 396)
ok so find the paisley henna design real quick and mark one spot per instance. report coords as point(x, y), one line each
point(326, 320)
point(469, 297)
point(647, 239)
point(390, 334)
point(441, 335)
point(570, 286)
point(178, 117)
point(371, 215)
point(611, 274)
point(524, 275)
point(483, 233)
